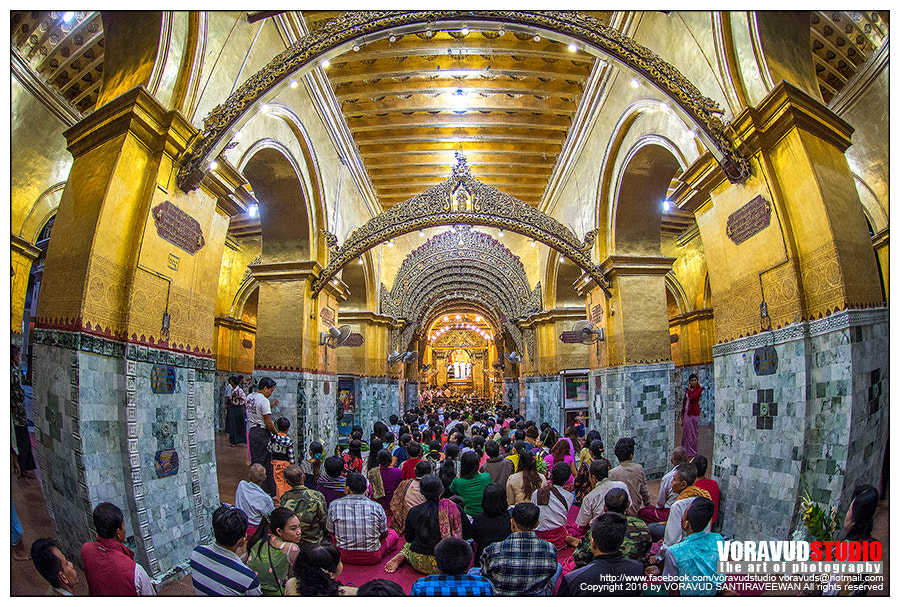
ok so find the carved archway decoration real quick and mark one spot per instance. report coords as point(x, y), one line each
point(462, 200)
point(339, 34)
point(479, 272)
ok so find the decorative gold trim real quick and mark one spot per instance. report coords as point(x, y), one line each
point(461, 200)
point(342, 31)
point(23, 247)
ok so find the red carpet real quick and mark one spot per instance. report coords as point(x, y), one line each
point(357, 575)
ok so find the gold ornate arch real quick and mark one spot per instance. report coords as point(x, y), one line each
point(461, 200)
point(339, 34)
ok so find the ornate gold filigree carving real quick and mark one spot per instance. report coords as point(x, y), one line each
point(463, 200)
point(351, 26)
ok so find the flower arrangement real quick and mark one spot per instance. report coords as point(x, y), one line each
point(541, 466)
point(821, 523)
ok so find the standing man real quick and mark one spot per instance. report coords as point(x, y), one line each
point(261, 427)
point(107, 563)
point(20, 420)
point(690, 415)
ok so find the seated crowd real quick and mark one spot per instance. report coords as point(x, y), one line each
point(480, 505)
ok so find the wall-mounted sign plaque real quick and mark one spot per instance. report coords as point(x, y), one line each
point(327, 316)
point(166, 463)
point(765, 361)
point(570, 337)
point(355, 340)
point(178, 227)
point(749, 220)
point(162, 379)
point(597, 314)
point(247, 344)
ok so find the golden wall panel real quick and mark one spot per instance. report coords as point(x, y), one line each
point(21, 269)
point(131, 43)
point(279, 332)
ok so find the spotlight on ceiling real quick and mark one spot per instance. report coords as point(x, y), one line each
point(325, 63)
point(573, 47)
point(359, 261)
point(421, 234)
point(68, 16)
point(534, 243)
point(465, 30)
point(293, 84)
point(237, 136)
point(445, 319)
point(213, 165)
point(392, 38)
point(499, 233)
point(562, 259)
point(478, 319)
point(667, 206)
point(664, 106)
point(635, 83)
point(355, 48)
point(253, 211)
point(537, 38)
point(264, 108)
point(691, 134)
point(458, 317)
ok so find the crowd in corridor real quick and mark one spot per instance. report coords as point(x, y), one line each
point(473, 497)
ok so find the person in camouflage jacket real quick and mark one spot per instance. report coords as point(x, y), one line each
point(637, 540)
point(308, 504)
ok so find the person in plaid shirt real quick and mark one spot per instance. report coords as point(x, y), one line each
point(359, 525)
point(453, 556)
point(522, 564)
point(282, 449)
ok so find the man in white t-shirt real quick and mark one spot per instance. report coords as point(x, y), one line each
point(260, 426)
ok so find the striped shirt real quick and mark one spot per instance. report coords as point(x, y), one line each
point(218, 571)
point(357, 523)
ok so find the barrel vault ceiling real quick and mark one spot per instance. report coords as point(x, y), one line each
point(505, 101)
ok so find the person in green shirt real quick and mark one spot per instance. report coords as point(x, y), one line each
point(470, 483)
point(272, 550)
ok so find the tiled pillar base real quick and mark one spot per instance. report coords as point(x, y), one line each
point(512, 394)
point(303, 400)
point(379, 398)
point(633, 401)
point(542, 400)
point(821, 416)
point(104, 435)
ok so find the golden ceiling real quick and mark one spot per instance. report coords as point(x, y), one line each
point(505, 101)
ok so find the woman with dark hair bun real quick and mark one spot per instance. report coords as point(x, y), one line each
point(384, 480)
point(526, 481)
point(858, 525)
point(312, 467)
point(272, 549)
point(315, 573)
point(427, 524)
point(492, 524)
point(353, 461)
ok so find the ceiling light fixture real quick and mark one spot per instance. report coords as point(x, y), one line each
point(465, 30)
point(537, 38)
point(664, 106)
point(325, 63)
point(421, 234)
point(359, 261)
point(355, 48)
point(68, 16)
point(667, 206)
point(264, 108)
point(391, 242)
point(691, 134)
point(253, 211)
point(499, 233)
point(392, 38)
point(573, 47)
point(562, 259)
point(213, 165)
point(237, 136)
point(293, 84)
point(458, 317)
point(534, 243)
point(501, 31)
point(446, 319)
point(635, 83)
